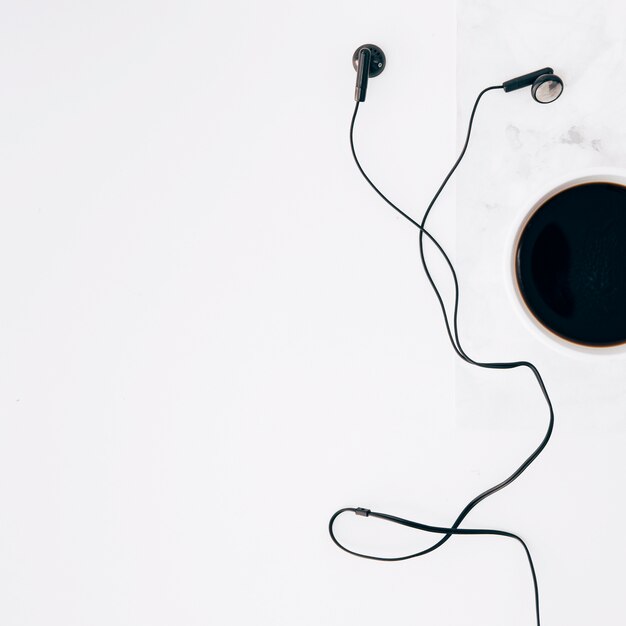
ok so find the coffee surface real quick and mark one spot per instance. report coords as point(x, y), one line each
point(571, 264)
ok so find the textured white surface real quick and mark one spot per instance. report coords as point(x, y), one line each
point(519, 151)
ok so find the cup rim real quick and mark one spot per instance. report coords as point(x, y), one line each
point(590, 175)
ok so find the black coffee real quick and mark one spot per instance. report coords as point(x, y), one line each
point(571, 264)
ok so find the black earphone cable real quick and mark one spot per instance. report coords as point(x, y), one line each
point(453, 335)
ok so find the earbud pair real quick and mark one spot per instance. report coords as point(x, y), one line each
point(369, 61)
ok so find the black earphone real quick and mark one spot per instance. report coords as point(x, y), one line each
point(369, 61)
point(546, 85)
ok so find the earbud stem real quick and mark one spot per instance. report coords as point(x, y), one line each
point(362, 74)
point(526, 80)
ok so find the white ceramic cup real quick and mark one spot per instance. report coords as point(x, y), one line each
point(606, 175)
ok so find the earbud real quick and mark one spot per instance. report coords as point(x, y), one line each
point(546, 85)
point(368, 61)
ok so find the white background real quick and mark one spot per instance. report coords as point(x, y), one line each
point(213, 334)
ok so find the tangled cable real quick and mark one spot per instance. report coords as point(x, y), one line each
point(453, 335)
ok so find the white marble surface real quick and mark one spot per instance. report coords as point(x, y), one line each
point(518, 150)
